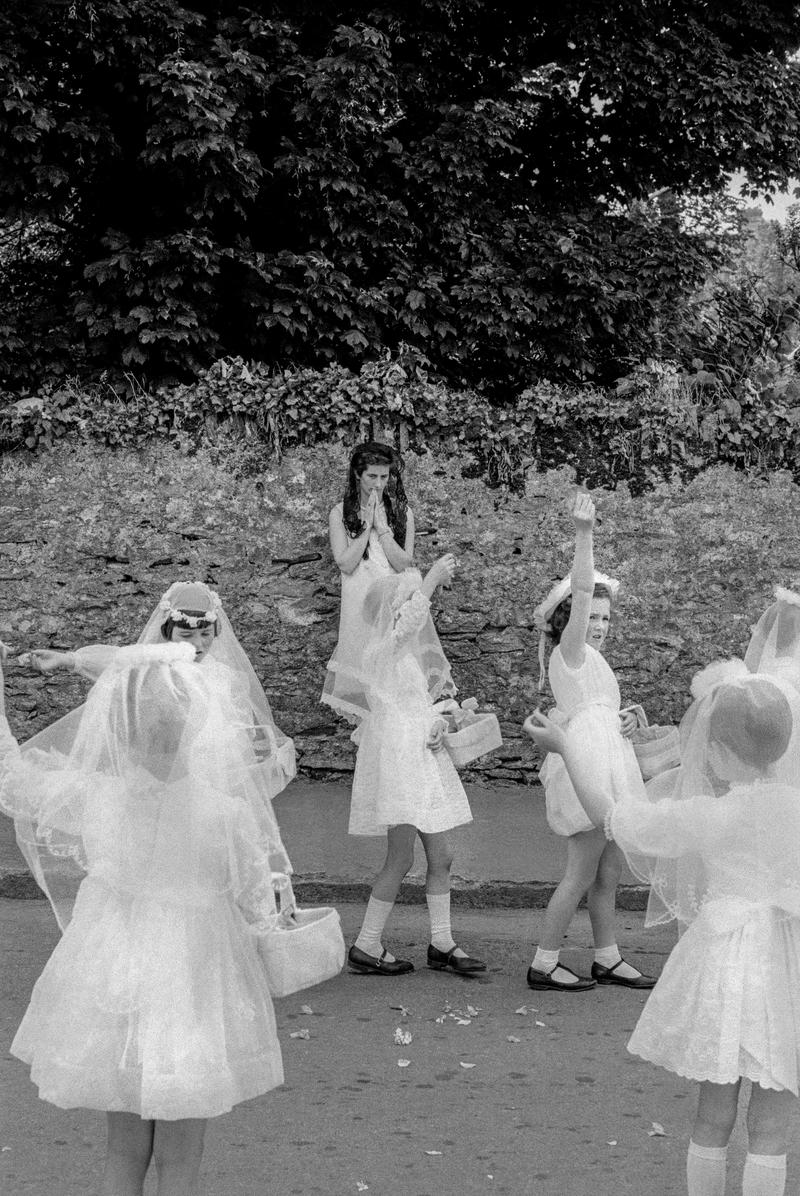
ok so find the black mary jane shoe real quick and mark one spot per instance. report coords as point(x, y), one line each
point(359, 961)
point(465, 965)
point(605, 975)
point(542, 980)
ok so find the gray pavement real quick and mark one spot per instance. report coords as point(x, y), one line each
point(506, 857)
point(551, 1104)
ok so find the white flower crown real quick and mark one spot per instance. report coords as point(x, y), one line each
point(180, 616)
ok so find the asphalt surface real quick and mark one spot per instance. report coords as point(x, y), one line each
point(506, 1090)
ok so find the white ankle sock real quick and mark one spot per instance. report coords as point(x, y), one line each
point(705, 1170)
point(764, 1175)
point(371, 932)
point(439, 912)
point(608, 956)
point(544, 961)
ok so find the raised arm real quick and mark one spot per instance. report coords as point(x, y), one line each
point(573, 637)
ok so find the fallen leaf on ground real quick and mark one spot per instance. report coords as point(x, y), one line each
point(465, 1065)
point(523, 1010)
point(306, 1009)
point(512, 1038)
point(611, 1142)
point(403, 1037)
point(403, 1062)
point(463, 1021)
point(433, 1152)
point(657, 1131)
point(401, 1009)
point(300, 1034)
point(361, 1186)
point(472, 1011)
point(538, 1023)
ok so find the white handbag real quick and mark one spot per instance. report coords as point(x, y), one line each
point(304, 947)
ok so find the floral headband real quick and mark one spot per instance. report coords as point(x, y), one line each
point(194, 595)
point(561, 590)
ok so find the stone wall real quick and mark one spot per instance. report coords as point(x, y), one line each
point(90, 539)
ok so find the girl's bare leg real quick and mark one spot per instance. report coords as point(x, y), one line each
point(602, 896)
point(178, 1152)
point(399, 860)
point(768, 1117)
point(129, 1149)
point(439, 855)
point(716, 1113)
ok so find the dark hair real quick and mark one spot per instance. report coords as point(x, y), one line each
point(169, 624)
point(560, 616)
point(364, 455)
point(754, 721)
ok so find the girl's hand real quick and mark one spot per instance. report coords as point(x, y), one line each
point(545, 733)
point(628, 722)
point(435, 740)
point(380, 520)
point(583, 511)
point(442, 571)
point(47, 660)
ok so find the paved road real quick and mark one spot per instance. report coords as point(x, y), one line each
point(551, 1105)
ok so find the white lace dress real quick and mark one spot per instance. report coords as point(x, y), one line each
point(727, 1003)
point(588, 702)
point(341, 687)
point(398, 779)
point(154, 1001)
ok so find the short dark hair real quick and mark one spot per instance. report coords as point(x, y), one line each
point(560, 616)
point(169, 624)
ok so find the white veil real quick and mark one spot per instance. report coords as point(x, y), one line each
point(275, 748)
point(774, 646)
point(395, 616)
point(757, 712)
point(154, 786)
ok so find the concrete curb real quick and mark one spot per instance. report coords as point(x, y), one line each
point(19, 885)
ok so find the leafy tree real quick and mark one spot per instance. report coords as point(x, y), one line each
point(302, 182)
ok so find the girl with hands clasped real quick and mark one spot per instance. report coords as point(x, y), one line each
point(721, 858)
point(371, 536)
point(574, 618)
point(405, 784)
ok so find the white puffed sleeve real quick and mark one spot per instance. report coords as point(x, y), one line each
point(665, 828)
point(93, 659)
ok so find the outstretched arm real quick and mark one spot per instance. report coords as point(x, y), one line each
point(551, 738)
point(573, 637)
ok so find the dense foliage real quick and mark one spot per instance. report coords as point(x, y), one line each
point(658, 422)
point(304, 183)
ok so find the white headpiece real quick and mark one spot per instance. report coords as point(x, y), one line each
point(543, 613)
point(184, 596)
point(774, 646)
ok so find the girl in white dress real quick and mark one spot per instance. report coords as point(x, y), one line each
point(154, 1005)
point(576, 616)
point(405, 783)
point(371, 536)
point(722, 859)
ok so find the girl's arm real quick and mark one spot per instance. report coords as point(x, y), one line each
point(573, 637)
point(89, 661)
point(440, 574)
point(399, 558)
point(347, 552)
point(551, 738)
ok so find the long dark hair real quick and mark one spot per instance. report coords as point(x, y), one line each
point(364, 455)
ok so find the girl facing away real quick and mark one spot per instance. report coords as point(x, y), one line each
point(721, 857)
point(405, 784)
point(154, 1005)
point(371, 535)
point(575, 616)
